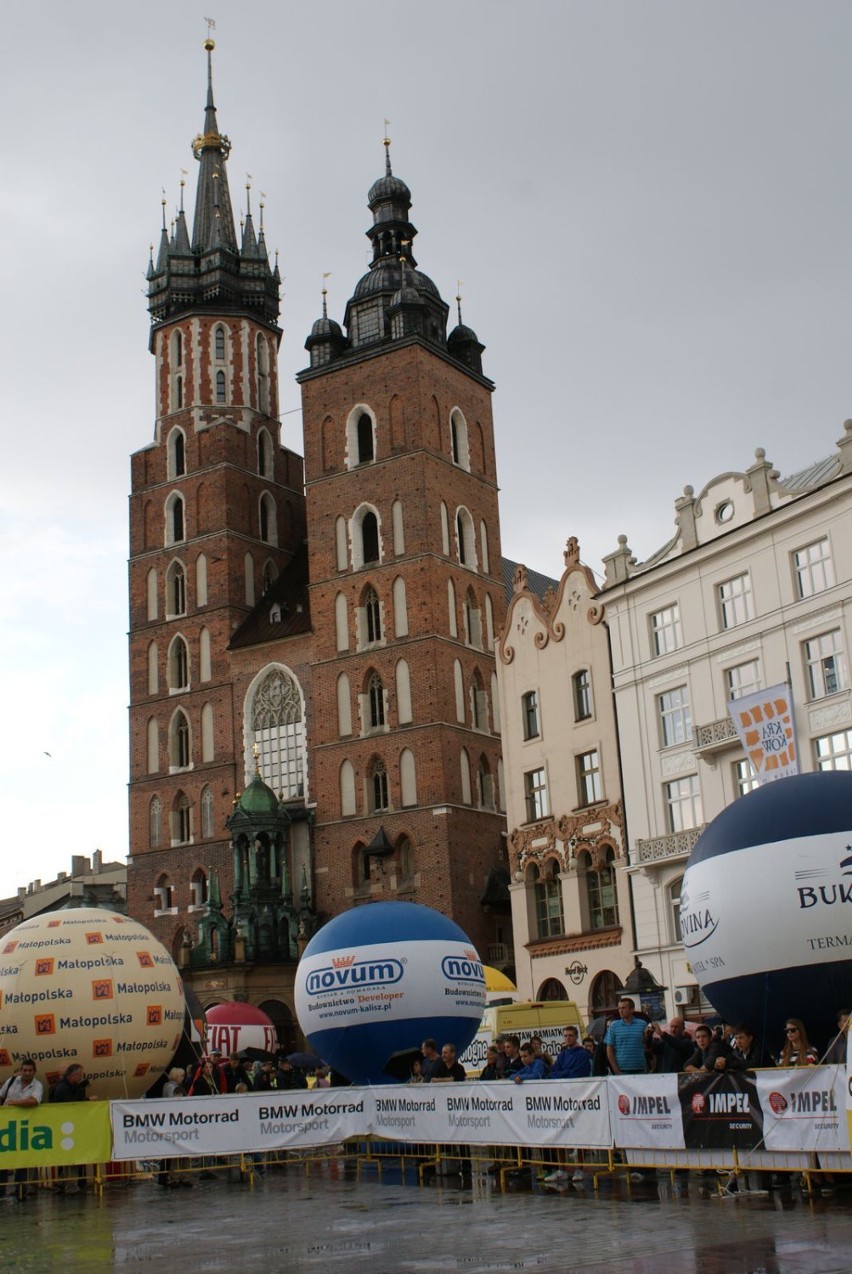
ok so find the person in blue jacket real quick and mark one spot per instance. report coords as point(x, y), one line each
point(573, 1061)
point(532, 1067)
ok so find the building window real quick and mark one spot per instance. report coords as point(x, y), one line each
point(589, 781)
point(744, 780)
point(379, 781)
point(219, 344)
point(834, 751)
point(366, 449)
point(675, 716)
point(458, 440)
point(373, 615)
point(535, 792)
point(177, 454)
point(181, 821)
point(208, 824)
point(485, 785)
point(826, 664)
point(163, 894)
point(813, 568)
point(176, 590)
point(198, 888)
point(175, 526)
point(743, 679)
point(673, 895)
point(220, 387)
point(465, 539)
point(155, 822)
point(370, 537)
point(549, 922)
point(683, 803)
point(529, 714)
point(735, 601)
point(666, 632)
point(406, 859)
point(268, 519)
point(479, 703)
point(581, 684)
point(278, 730)
point(264, 454)
point(376, 701)
point(179, 750)
point(601, 895)
point(178, 665)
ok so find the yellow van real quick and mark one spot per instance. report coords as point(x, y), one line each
point(529, 1017)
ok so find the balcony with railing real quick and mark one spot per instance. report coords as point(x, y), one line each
point(660, 849)
point(715, 736)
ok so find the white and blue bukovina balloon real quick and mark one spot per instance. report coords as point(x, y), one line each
point(766, 906)
point(379, 979)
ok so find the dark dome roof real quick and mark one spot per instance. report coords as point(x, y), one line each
point(462, 334)
point(389, 187)
point(407, 296)
point(387, 276)
point(326, 327)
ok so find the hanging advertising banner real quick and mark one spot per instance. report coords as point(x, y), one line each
point(804, 1108)
point(558, 1113)
point(720, 1110)
point(47, 1136)
point(644, 1112)
point(766, 727)
point(234, 1123)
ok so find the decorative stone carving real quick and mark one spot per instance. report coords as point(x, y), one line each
point(677, 763)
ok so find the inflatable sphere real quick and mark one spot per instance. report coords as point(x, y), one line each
point(766, 906)
point(377, 980)
point(90, 986)
point(235, 1026)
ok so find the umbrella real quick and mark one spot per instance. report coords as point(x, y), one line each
point(398, 1065)
point(305, 1061)
point(257, 1055)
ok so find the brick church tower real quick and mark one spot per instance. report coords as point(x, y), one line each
point(405, 593)
point(313, 690)
point(216, 512)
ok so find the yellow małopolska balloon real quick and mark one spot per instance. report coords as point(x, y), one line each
point(90, 986)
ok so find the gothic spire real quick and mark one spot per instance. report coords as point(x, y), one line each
point(214, 218)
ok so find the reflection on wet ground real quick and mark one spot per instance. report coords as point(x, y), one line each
point(330, 1221)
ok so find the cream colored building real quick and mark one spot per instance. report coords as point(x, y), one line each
point(570, 899)
point(755, 588)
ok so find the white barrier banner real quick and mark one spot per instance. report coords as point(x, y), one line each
point(242, 1121)
point(644, 1111)
point(570, 1112)
point(542, 1112)
point(804, 1108)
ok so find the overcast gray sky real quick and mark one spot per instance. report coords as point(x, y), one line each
point(648, 203)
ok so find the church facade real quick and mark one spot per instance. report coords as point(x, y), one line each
point(314, 717)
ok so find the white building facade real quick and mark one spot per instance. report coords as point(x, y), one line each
point(754, 590)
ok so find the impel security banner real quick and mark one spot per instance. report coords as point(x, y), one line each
point(804, 1109)
point(558, 1113)
point(645, 1112)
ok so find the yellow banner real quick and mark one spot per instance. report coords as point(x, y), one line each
point(49, 1135)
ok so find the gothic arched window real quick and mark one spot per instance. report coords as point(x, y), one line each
point(179, 742)
point(219, 344)
point(177, 454)
point(376, 702)
point(178, 665)
point(276, 725)
point(379, 787)
point(220, 387)
point(366, 448)
point(176, 590)
point(372, 615)
point(370, 537)
point(155, 822)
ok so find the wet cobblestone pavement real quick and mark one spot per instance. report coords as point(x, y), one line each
point(329, 1221)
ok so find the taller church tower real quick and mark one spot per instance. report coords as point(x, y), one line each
point(216, 513)
point(406, 595)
